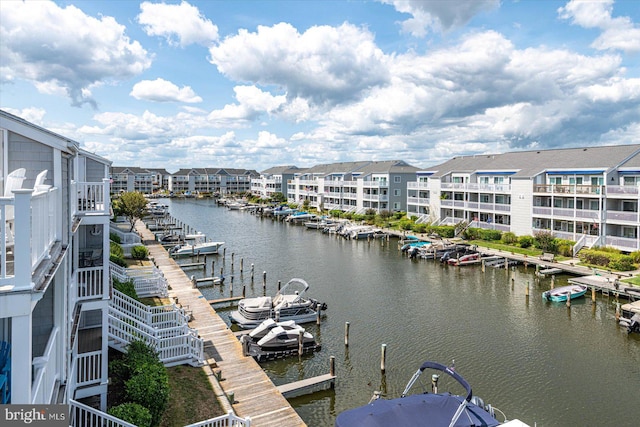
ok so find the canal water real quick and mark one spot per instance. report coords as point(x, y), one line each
point(540, 362)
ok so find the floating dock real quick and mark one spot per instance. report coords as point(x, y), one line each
point(307, 386)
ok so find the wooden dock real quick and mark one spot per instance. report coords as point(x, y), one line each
point(307, 386)
point(254, 394)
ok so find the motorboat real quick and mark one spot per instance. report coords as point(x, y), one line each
point(272, 340)
point(266, 326)
point(632, 324)
point(195, 244)
point(565, 292)
point(426, 409)
point(470, 258)
point(298, 217)
point(290, 303)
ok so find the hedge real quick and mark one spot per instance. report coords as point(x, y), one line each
point(139, 252)
point(609, 258)
point(133, 413)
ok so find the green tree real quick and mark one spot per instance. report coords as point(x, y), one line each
point(133, 205)
point(278, 198)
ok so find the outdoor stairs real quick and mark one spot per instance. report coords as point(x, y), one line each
point(164, 328)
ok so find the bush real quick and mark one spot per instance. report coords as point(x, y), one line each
point(594, 257)
point(405, 224)
point(149, 387)
point(489, 235)
point(116, 249)
point(118, 260)
point(565, 249)
point(545, 241)
point(419, 228)
point(336, 213)
point(447, 231)
point(139, 252)
point(128, 288)
point(471, 233)
point(133, 413)
point(508, 238)
point(622, 263)
point(115, 238)
point(525, 241)
point(398, 215)
point(635, 256)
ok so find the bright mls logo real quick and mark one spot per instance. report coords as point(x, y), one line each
point(36, 415)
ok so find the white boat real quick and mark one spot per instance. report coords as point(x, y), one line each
point(278, 339)
point(195, 244)
point(265, 327)
point(289, 303)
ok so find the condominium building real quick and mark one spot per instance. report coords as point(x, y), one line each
point(126, 179)
point(211, 180)
point(588, 195)
point(54, 273)
point(354, 186)
point(273, 180)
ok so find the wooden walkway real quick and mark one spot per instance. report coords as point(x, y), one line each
point(254, 394)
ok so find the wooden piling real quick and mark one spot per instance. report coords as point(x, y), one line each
point(241, 264)
point(332, 366)
point(526, 291)
point(346, 334)
point(264, 282)
point(593, 294)
point(193, 282)
point(213, 267)
point(279, 285)
point(553, 281)
point(569, 300)
point(483, 266)
point(383, 358)
point(617, 312)
point(318, 317)
point(300, 342)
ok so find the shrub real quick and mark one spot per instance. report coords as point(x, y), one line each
point(139, 252)
point(489, 234)
point(635, 256)
point(133, 413)
point(149, 387)
point(621, 263)
point(545, 241)
point(398, 215)
point(525, 241)
point(128, 288)
point(508, 238)
point(565, 249)
point(419, 228)
point(336, 213)
point(594, 257)
point(116, 249)
point(118, 260)
point(471, 233)
point(405, 224)
point(115, 238)
point(447, 231)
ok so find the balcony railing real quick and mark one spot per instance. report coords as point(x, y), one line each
point(623, 216)
point(93, 197)
point(90, 283)
point(417, 201)
point(568, 189)
point(624, 243)
point(631, 190)
point(418, 185)
point(375, 184)
point(45, 371)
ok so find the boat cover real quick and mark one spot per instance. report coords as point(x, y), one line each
point(425, 410)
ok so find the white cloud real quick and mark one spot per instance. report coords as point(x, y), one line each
point(324, 65)
point(252, 104)
point(439, 16)
point(63, 49)
point(32, 114)
point(160, 90)
point(183, 21)
point(618, 33)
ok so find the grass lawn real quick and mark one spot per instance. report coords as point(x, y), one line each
point(507, 248)
point(191, 398)
point(633, 280)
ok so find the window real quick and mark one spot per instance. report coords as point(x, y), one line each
point(630, 180)
point(484, 180)
point(485, 198)
point(557, 180)
point(397, 179)
point(498, 179)
point(594, 205)
point(396, 192)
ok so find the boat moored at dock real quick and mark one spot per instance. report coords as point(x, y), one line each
point(290, 303)
point(195, 244)
point(565, 292)
point(425, 409)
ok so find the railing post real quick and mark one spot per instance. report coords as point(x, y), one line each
point(22, 238)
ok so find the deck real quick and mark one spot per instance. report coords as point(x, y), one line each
point(254, 393)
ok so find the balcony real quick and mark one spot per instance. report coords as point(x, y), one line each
point(93, 197)
point(418, 185)
point(418, 201)
point(375, 184)
point(626, 244)
point(594, 190)
point(376, 197)
point(623, 191)
point(625, 217)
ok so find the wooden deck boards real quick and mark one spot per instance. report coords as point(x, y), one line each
point(255, 395)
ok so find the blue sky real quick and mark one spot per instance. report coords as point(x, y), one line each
point(261, 83)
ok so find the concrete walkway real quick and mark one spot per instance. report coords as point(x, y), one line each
point(254, 394)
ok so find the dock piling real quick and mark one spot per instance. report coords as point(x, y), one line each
point(332, 366)
point(346, 334)
point(383, 358)
point(593, 294)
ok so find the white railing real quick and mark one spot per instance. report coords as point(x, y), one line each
point(93, 197)
point(175, 346)
point(579, 245)
point(81, 415)
point(540, 210)
point(44, 220)
point(229, 420)
point(417, 185)
point(88, 369)
point(126, 237)
point(624, 243)
point(90, 283)
point(148, 281)
point(632, 190)
point(45, 371)
point(622, 216)
point(157, 317)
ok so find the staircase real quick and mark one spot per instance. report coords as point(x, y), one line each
point(164, 328)
point(148, 281)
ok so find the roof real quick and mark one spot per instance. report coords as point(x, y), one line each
point(281, 170)
point(526, 164)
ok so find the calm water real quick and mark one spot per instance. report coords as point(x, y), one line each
point(539, 362)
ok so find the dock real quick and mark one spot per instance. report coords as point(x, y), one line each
point(244, 387)
point(223, 300)
point(307, 386)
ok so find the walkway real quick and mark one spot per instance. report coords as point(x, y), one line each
point(254, 394)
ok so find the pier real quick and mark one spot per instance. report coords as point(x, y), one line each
point(238, 381)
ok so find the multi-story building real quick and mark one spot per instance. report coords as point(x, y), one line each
point(126, 179)
point(273, 180)
point(211, 180)
point(54, 273)
point(354, 186)
point(588, 195)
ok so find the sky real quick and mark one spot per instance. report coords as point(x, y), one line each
point(254, 84)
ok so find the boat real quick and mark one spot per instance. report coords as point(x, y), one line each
point(271, 340)
point(425, 409)
point(632, 324)
point(195, 244)
point(298, 217)
point(470, 258)
point(564, 292)
point(290, 303)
